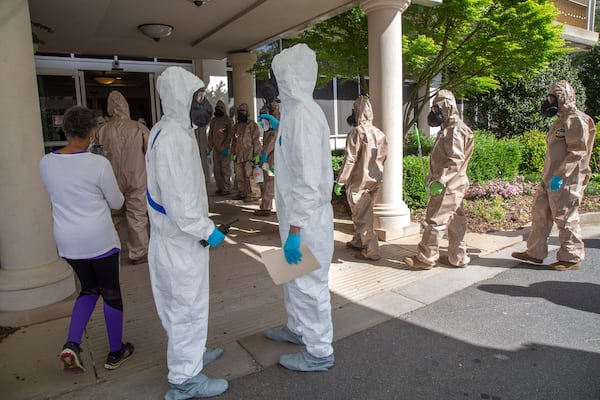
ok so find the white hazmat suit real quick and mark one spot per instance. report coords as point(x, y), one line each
point(303, 185)
point(178, 262)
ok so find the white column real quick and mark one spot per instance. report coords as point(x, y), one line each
point(31, 273)
point(243, 84)
point(392, 216)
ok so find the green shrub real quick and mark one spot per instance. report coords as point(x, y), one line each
point(533, 152)
point(593, 186)
point(490, 210)
point(337, 162)
point(411, 146)
point(493, 158)
point(595, 159)
point(413, 188)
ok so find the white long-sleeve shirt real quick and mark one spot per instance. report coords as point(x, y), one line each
point(82, 189)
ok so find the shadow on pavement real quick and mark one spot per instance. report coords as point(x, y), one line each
point(577, 295)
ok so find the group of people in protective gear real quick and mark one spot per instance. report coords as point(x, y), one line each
point(240, 143)
point(178, 210)
point(296, 137)
point(566, 173)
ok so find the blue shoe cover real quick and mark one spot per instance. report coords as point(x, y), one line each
point(284, 334)
point(304, 361)
point(211, 355)
point(198, 386)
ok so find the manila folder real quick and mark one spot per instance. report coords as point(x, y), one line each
point(281, 271)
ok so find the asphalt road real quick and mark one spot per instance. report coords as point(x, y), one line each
point(528, 333)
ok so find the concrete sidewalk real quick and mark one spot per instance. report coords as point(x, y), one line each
point(244, 302)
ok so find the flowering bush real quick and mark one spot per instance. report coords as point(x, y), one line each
point(505, 189)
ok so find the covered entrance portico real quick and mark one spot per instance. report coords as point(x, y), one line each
point(31, 274)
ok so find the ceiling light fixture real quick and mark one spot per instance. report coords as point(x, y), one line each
point(104, 80)
point(156, 31)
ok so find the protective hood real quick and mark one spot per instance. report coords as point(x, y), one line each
point(296, 71)
point(117, 106)
point(243, 107)
point(565, 94)
point(176, 88)
point(363, 111)
point(447, 103)
point(221, 105)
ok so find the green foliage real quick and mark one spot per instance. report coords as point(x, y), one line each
point(493, 158)
point(514, 108)
point(476, 44)
point(595, 159)
point(533, 152)
point(490, 210)
point(411, 146)
point(587, 63)
point(413, 185)
point(593, 187)
point(264, 57)
point(341, 44)
point(337, 161)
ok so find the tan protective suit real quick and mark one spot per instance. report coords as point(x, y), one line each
point(220, 137)
point(246, 144)
point(362, 173)
point(570, 142)
point(268, 190)
point(448, 164)
point(125, 142)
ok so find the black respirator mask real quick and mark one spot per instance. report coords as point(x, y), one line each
point(270, 90)
point(242, 116)
point(435, 117)
point(201, 109)
point(219, 112)
point(351, 120)
point(549, 106)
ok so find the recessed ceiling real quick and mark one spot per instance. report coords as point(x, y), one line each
point(211, 31)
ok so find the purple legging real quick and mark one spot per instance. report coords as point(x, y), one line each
point(98, 277)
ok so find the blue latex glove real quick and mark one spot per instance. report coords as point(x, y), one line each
point(225, 152)
point(291, 248)
point(337, 189)
point(436, 188)
point(555, 183)
point(272, 120)
point(215, 238)
point(263, 158)
point(255, 159)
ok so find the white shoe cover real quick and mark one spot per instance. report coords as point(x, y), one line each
point(198, 386)
point(304, 361)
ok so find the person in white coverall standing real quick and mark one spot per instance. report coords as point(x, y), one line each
point(303, 185)
point(448, 184)
point(178, 209)
point(565, 175)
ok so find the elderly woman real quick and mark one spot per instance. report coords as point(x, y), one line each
point(83, 189)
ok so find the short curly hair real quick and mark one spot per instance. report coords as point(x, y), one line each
point(79, 122)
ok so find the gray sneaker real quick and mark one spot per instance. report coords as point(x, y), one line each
point(284, 334)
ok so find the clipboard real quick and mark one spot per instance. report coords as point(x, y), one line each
point(282, 272)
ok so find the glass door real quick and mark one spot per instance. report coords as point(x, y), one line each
point(134, 86)
point(57, 93)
